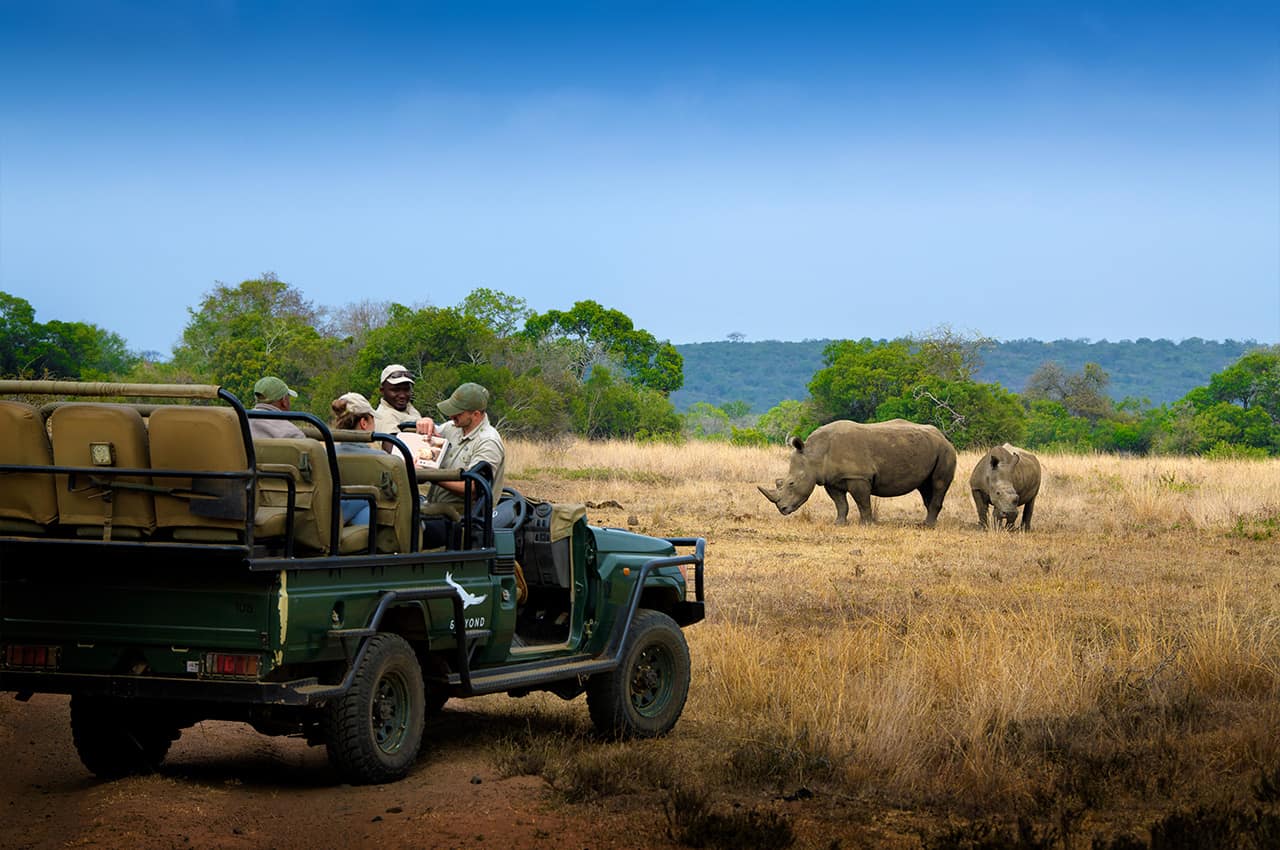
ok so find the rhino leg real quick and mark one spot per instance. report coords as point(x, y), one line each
point(1026, 513)
point(860, 490)
point(837, 495)
point(983, 504)
point(936, 491)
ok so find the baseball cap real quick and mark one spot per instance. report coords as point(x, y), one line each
point(272, 388)
point(396, 374)
point(467, 396)
point(357, 404)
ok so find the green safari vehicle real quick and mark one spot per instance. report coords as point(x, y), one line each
point(162, 567)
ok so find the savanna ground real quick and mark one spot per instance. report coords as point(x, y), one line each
point(1110, 680)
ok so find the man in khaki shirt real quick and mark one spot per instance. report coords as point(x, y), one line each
point(471, 439)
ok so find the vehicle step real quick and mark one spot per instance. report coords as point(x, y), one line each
point(529, 674)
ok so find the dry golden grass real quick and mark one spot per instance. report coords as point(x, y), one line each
point(1125, 653)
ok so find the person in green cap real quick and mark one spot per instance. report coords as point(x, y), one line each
point(271, 393)
point(471, 439)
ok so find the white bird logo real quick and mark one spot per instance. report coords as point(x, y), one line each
point(467, 599)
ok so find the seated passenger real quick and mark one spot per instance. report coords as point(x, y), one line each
point(352, 412)
point(397, 400)
point(271, 393)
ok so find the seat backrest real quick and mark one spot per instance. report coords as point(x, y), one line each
point(103, 437)
point(308, 463)
point(394, 511)
point(26, 498)
point(203, 439)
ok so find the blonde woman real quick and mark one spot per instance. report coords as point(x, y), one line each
point(352, 412)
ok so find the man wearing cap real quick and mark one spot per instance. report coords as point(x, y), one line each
point(471, 440)
point(271, 393)
point(396, 405)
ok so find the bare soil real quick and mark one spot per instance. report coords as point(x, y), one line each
point(224, 785)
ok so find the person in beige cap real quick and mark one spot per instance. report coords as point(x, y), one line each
point(352, 412)
point(271, 393)
point(397, 399)
point(471, 439)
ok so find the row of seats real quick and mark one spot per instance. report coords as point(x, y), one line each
point(199, 509)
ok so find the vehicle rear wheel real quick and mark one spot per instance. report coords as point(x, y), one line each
point(374, 731)
point(644, 695)
point(115, 739)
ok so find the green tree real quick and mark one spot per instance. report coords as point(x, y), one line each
point(593, 334)
point(950, 355)
point(706, 422)
point(259, 327)
point(56, 348)
point(1051, 425)
point(1253, 381)
point(787, 418)
point(501, 313)
point(1083, 393)
point(970, 414)
point(861, 375)
point(606, 407)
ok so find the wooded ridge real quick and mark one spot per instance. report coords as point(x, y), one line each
point(766, 372)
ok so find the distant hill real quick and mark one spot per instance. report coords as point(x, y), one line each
point(765, 373)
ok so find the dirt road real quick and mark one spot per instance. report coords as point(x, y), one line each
point(226, 786)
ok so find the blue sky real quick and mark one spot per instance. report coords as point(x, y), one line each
point(780, 170)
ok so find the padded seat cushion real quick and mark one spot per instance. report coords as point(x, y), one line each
point(205, 439)
point(76, 428)
point(27, 498)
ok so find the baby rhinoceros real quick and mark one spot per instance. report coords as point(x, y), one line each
point(1007, 477)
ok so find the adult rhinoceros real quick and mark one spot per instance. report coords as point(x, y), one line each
point(1007, 477)
point(881, 459)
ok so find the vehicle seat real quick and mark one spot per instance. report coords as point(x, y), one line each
point(306, 463)
point(386, 478)
point(546, 554)
point(104, 437)
point(28, 502)
point(205, 439)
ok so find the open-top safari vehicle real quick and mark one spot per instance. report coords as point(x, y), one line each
point(163, 567)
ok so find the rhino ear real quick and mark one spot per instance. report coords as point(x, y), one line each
point(995, 462)
point(797, 444)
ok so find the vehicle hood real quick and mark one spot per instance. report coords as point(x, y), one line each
point(615, 540)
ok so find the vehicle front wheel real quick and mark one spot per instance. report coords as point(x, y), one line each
point(373, 732)
point(644, 695)
point(115, 739)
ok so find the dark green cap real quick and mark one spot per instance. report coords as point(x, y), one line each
point(466, 397)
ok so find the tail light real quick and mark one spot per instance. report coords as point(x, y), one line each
point(231, 664)
point(31, 656)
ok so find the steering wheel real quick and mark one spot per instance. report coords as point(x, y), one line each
point(519, 506)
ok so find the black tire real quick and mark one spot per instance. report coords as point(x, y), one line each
point(644, 695)
point(373, 731)
point(115, 739)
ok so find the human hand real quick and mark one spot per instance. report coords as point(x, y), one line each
point(427, 426)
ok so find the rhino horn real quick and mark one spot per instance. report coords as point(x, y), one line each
point(771, 495)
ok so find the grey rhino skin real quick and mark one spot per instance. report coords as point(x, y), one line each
point(880, 459)
point(1006, 478)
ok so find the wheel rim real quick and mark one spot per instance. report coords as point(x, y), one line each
point(651, 681)
point(390, 712)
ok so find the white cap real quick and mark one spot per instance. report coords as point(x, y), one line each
point(396, 374)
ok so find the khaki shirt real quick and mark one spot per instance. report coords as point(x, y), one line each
point(386, 419)
point(483, 443)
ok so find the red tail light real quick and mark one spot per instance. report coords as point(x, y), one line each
point(229, 664)
point(31, 656)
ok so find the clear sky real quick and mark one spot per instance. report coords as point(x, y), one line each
point(783, 170)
